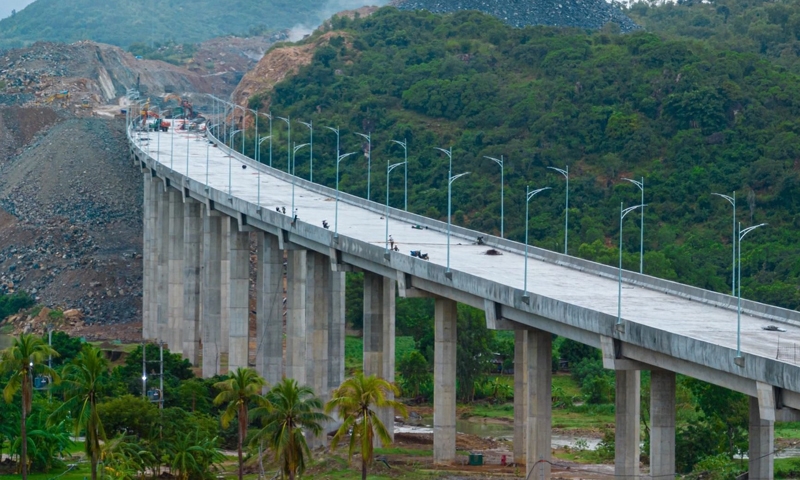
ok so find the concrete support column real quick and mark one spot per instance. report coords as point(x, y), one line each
point(147, 256)
point(162, 247)
point(176, 284)
point(212, 266)
point(520, 395)
point(238, 295)
point(540, 377)
point(379, 336)
point(662, 424)
point(225, 271)
point(296, 270)
point(317, 291)
point(269, 309)
point(762, 443)
point(444, 381)
point(628, 405)
point(336, 329)
point(192, 261)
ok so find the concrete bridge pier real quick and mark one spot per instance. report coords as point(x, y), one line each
point(520, 395)
point(336, 329)
point(162, 221)
point(444, 381)
point(539, 398)
point(379, 337)
point(192, 261)
point(212, 298)
point(296, 271)
point(662, 424)
point(761, 434)
point(317, 291)
point(174, 338)
point(148, 244)
point(627, 434)
point(269, 308)
point(225, 301)
point(238, 294)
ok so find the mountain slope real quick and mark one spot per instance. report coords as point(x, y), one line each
point(690, 119)
point(122, 22)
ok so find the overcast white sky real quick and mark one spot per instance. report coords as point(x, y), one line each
point(7, 5)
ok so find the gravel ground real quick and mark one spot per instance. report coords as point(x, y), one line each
point(592, 14)
point(70, 225)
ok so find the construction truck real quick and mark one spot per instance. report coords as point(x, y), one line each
point(62, 95)
point(159, 124)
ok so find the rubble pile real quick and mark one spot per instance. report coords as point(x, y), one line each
point(592, 14)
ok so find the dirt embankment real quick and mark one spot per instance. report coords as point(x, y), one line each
point(70, 224)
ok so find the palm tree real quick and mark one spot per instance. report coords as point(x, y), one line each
point(82, 377)
point(26, 357)
point(194, 456)
point(355, 399)
point(243, 387)
point(285, 411)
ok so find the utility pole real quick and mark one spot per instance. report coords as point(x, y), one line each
point(161, 375)
point(144, 372)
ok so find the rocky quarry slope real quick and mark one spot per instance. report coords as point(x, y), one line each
point(593, 14)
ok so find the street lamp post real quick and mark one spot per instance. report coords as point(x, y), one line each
point(640, 184)
point(622, 213)
point(230, 165)
point(255, 134)
point(368, 136)
point(450, 179)
point(288, 143)
point(295, 148)
point(389, 169)
point(529, 194)
point(260, 141)
point(336, 215)
point(501, 162)
point(565, 172)
point(732, 201)
point(404, 144)
point(310, 126)
point(739, 360)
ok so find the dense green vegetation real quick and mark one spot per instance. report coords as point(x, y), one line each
point(690, 118)
point(122, 23)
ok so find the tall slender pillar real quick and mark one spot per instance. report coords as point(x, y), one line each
point(225, 286)
point(662, 424)
point(336, 329)
point(520, 395)
point(762, 442)
point(238, 296)
point(176, 284)
point(147, 255)
point(296, 315)
point(212, 266)
point(192, 261)
point(269, 309)
point(444, 381)
point(379, 336)
point(317, 289)
point(540, 378)
point(162, 242)
point(626, 438)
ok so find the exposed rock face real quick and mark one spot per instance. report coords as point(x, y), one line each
point(520, 13)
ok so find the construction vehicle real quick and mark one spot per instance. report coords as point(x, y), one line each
point(85, 103)
point(62, 95)
point(185, 106)
point(159, 124)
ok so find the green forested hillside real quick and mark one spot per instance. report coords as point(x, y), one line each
point(690, 118)
point(122, 22)
point(771, 28)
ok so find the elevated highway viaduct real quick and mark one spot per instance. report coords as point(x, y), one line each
point(203, 202)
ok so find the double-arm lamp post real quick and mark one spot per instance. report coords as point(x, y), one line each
point(622, 213)
point(450, 179)
point(501, 162)
point(389, 169)
point(529, 194)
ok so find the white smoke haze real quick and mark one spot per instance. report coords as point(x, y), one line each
point(298, 32)
point(329, 9)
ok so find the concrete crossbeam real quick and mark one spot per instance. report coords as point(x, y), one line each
point(176, 280)
point(761, 453)
point(539, 399)
point(521, 395)
point(379, 336)
point(192, 261)
point(296, 271)
point(444, 381)
point(212, 266)
point(662, 424)
point(628, 404)
point(269, 308)
point(238, 295)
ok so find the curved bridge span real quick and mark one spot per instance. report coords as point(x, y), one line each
point(203, 201)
